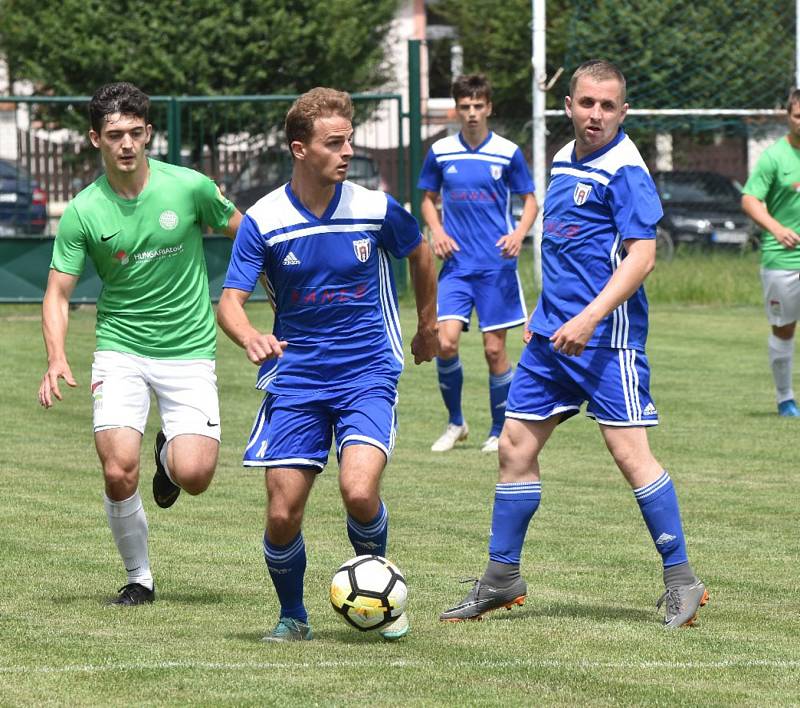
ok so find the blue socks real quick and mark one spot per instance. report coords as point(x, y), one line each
point(659, 505)
point(451, 381)
point(370, 538)
point(287, 567)
point(498, 393)
point(514, 505)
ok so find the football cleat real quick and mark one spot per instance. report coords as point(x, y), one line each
point(682, 603)
point(452, 435)
point(164, 491)
point(492, 444)
point(485, 598)
point(134, 594)
point(788, 409)
point(397, 629)
point(289, 629)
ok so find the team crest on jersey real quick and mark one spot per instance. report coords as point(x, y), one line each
point(168, 220)
point(362, 247)
point(497, 171)
point(581, 193)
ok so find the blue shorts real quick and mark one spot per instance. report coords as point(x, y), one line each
point(297, 431)
point(615, 382)
point(495, 294)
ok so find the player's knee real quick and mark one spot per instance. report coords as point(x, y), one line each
point(494, 353)
point(193, 478)
point(360, 502)
point(448, 348)
point(283, 522)
point(119, 473)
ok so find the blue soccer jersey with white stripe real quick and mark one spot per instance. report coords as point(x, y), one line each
point(592, 205)
point(476, 187)
point(331, 283)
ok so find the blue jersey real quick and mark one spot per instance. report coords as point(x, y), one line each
point(330, 281)
point(592, 205)
point(476, 187)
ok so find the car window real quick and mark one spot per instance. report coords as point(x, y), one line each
point(361, 167)
point(696, 188)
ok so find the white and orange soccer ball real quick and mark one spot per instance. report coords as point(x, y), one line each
point(369, 592)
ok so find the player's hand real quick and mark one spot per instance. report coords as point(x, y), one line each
point(511, 244)
point(444, 246)
point(527, 335)
point(787, 237)
point(263, 347)
point(571, 337)
point(49, 386)
point(425, 345)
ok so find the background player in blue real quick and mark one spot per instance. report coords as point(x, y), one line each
point(476, 173)
point(323, 244)
point(587, 343)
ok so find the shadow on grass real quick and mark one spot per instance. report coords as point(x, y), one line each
point(201, 597)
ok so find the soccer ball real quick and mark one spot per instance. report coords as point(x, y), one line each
point(369, 592)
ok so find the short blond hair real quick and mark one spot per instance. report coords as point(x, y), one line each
point(598, 70)
point(319, 102)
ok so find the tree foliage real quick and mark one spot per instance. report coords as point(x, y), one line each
point(674, 53)
point(197, 46)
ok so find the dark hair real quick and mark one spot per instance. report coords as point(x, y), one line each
point(121, 97)
point(319, 102)
point(793, 100)
point(599, 70)
point(472, 86)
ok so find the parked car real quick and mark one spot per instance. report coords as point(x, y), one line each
point(23, 205)
point(702, 208)
point(273, 167)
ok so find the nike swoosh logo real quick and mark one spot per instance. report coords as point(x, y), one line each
point(212, 425)
point(105, 238)
point(130, 570)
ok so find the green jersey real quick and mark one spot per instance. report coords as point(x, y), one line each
point(776, 182)
point(148, 252)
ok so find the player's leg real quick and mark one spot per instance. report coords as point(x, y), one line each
point(284, 547)
point(365, 435)
point(537, 403)
point(500, 375)
point(500, 304)
point(121, 404)
point(782, 299)
point(454, 307)
point(290, 438)
point(621, 402)
point(187, 447)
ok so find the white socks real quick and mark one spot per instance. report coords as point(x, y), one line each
point(162, 455)
point(781, 358)
point(129, 528)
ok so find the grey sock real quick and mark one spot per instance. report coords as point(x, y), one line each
point(500, 575)
point(680, 574)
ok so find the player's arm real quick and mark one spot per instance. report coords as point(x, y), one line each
point(571, 338)
point(424, 345)
point(233, 224)
point(757, 211)
point(55, 319)
point(235, 323)
point(443, 244)
point(511, 244)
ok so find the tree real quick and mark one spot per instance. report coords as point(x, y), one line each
point(675, 53)
point(197, 47)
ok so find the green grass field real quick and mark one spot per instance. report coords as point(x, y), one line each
point(588, 633)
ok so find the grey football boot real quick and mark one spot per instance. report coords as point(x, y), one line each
point(682, 603)
point(484, 598)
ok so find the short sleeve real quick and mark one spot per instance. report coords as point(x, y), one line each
point(70, 245)
point(215, 210)
point(519, 176)
point(400, 231)
point(634, 203)
point(762, 178)
point(430, 177)
point(248, 257)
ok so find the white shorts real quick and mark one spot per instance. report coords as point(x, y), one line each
point(185, 391)
point(781, 296)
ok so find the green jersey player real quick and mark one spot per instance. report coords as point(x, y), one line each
point(141, 225)
point(772, 199)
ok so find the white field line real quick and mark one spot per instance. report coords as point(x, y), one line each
point(403, 663)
